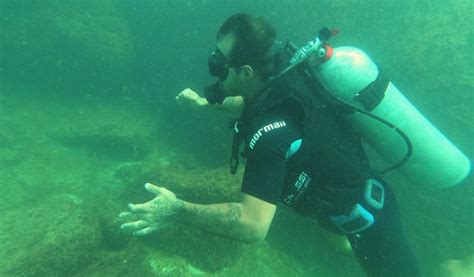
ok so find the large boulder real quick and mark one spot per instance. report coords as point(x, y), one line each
point(53, 238)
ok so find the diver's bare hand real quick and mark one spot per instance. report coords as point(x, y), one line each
point(189, 98)
point(143, 219)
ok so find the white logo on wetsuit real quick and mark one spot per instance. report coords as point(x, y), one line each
point(298, 188)
point(265, 129)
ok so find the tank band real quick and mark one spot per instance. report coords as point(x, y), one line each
point(371, 96)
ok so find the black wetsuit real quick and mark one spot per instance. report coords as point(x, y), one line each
point(271, 173)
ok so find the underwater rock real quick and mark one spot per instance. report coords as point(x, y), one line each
point(113, 238)
point(54, 238)
point(115, 147)
point(133, 174)
point(164, 162)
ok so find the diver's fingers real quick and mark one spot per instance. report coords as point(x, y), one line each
point(125, 215)
point(134, 225)
point(187, 95)
point(188, 92)
point(183, 93)
point(139, 208)
point(152, 188)
point(128, 216)
point(144, 232)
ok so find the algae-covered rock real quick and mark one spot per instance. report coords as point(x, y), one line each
point(73, 45)
point(54, 238)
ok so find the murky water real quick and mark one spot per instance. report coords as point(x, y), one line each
point(88, 115)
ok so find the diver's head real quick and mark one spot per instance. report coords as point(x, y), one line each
point(242, 61)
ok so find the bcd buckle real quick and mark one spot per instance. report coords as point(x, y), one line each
point(358, 220)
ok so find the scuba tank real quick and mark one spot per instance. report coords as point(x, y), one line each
point(353, 79)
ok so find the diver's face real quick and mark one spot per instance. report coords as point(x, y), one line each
point(234, 82)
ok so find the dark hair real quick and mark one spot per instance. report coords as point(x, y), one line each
point(254, 37)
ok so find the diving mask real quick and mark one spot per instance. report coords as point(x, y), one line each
point(218, 67)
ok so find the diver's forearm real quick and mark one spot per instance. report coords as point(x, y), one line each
point(233, 104)
point(223, 219)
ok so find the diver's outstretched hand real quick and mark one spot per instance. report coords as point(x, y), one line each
point(143, 219)
point(189, 98)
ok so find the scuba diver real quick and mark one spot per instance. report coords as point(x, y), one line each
point(299, 149)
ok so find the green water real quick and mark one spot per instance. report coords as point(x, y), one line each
point(87, 116)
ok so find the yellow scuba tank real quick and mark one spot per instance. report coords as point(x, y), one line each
point(352, 77)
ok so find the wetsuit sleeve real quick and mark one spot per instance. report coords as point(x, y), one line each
point(266, 160)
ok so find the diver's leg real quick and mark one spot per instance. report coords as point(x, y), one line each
point(383, 250)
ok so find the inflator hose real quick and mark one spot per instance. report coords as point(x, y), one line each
point(313, 78)
point(391, 126)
